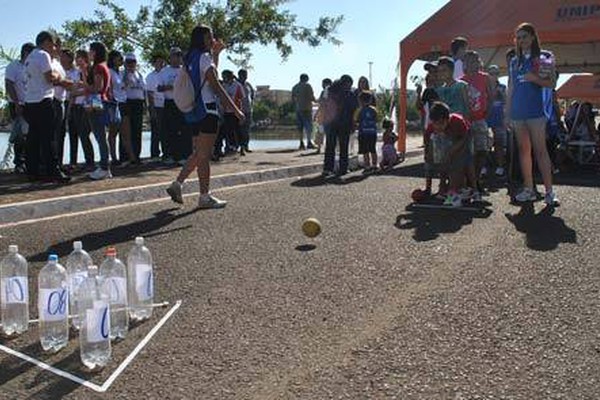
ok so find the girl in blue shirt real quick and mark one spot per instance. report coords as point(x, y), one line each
point(526, 110)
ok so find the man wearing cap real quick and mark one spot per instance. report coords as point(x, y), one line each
point(156, 103)
point(136, 95)
point(496, 119)
point(14, 84)
point(178, 139)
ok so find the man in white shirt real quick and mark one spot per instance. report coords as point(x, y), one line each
point(156, 103)
point(178, 139)
point(39, 113)
point(14, 84)
point(458, 48)
point(58, 102)
point(136, 95)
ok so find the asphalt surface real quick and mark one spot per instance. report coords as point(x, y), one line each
point(389, 302)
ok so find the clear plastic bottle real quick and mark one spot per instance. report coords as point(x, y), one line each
point(77, 265)
point(94, 336)
point(140, 281)
point(53, 305)
point(114, 285)
point(14, 293)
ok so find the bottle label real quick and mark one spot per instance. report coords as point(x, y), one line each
point(14, 290)
point(76, 279)
point(116, 289)
point(53, 304)
point(144, 285)
point(97, 322)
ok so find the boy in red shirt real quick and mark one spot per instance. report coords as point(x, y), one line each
point(450, 133)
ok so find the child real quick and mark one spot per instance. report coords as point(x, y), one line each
point(457, 158)
point(366, 121)
point(388, 151)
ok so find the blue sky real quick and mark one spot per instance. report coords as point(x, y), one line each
point(371, 31)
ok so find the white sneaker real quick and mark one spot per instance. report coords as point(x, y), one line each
point(526, 195)
point(551, 199)
point(100, 174)
point(174, 190)
point(208, 201)
point(500, 171)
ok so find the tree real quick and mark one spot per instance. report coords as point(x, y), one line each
point(239, 23)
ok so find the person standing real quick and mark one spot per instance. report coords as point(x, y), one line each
point(526, 111)
point(303, 98)
point(14, 84)
point(201, 62)
point(135, 89)
point(66, 59)
point(99, 91)
point(79, 120)
point(458, 48)
point(39, 113)
point(118, 97)
point(156, 103)
point(58, 103)
point(229, 129)
point(178, 138)
point(496, 119)
point(320, 115)
point(247, 105)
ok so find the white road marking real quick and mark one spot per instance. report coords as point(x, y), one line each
point(114, 375)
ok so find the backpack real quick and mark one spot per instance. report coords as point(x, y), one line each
point(187, 89)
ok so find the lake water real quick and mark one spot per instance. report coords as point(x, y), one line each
point(255, 144)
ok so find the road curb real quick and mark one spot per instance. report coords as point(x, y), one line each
point(22, 211)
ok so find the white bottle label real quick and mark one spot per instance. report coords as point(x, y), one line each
point(97, 322)
point(116, 289)
point(53, 304)
point(144, 285)
point(14, 290)
point(77, 279)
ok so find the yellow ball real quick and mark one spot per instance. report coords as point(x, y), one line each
point(311, 227)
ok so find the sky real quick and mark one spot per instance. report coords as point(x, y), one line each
point(371, 32)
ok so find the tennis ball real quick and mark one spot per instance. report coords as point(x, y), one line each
point(311, 227)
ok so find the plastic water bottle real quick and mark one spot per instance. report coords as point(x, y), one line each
point(78, 263)
point(53, 305)
point(14, 296)
point(114, 285)
point(140, 281)
point(94, 316)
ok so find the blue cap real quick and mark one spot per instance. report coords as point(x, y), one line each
point(52, 257)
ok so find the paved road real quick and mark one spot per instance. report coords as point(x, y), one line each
point(390, 303)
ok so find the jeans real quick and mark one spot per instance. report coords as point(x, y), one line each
point(18, 136)
point(333, 135)
point(40, 117)
point(136, 116)
point(99, 123)
point(158, 138)
point(79, 123)
point(305, 126)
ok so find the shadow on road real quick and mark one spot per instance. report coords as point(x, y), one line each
point(428, 224)
point(120, 234)
point(336, 180)
point(543, 231)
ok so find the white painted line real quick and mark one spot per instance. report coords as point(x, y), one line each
point(114, 375)
point(139, 347)
point(443, 207)
point(50, 368)
point(118, 206)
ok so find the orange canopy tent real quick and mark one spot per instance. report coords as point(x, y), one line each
point(569, 28)
point(581, 87)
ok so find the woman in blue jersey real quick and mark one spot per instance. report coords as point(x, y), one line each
point(526, 110)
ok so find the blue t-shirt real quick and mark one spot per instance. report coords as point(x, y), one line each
point(527, 101)
point(367, 121)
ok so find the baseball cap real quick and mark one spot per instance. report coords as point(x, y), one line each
point(130, 57)
point(431, 65)
point(494, 70)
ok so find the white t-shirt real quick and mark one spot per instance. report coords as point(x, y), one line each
point(152, 81)
point(60, 93)
point(167, 77)
point(76, 76)
point(37, 87)
point(208, 95)
point(117, 86)
point(458, 69)
point(134, 85)
point(15, 72)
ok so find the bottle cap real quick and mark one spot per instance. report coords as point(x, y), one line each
point(52, 257)
point(77, 245)
point(13, 248)
point(139, 240)
point(111, 252)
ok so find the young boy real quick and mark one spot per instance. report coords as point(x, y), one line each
point(366, 122)
point(453, 131)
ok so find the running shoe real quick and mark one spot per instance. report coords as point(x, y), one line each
point(527, 194)
point(500, 171)
point(453, 200)
point(100, 174)
point(551, 199)
point(174, 190)
point(208, 202)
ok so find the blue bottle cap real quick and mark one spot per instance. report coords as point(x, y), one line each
point(52, 257)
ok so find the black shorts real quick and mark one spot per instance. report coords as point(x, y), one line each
point(208, 126)
point(367, 144)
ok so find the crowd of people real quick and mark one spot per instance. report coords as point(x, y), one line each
point(467, 113)
point(55, 93)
